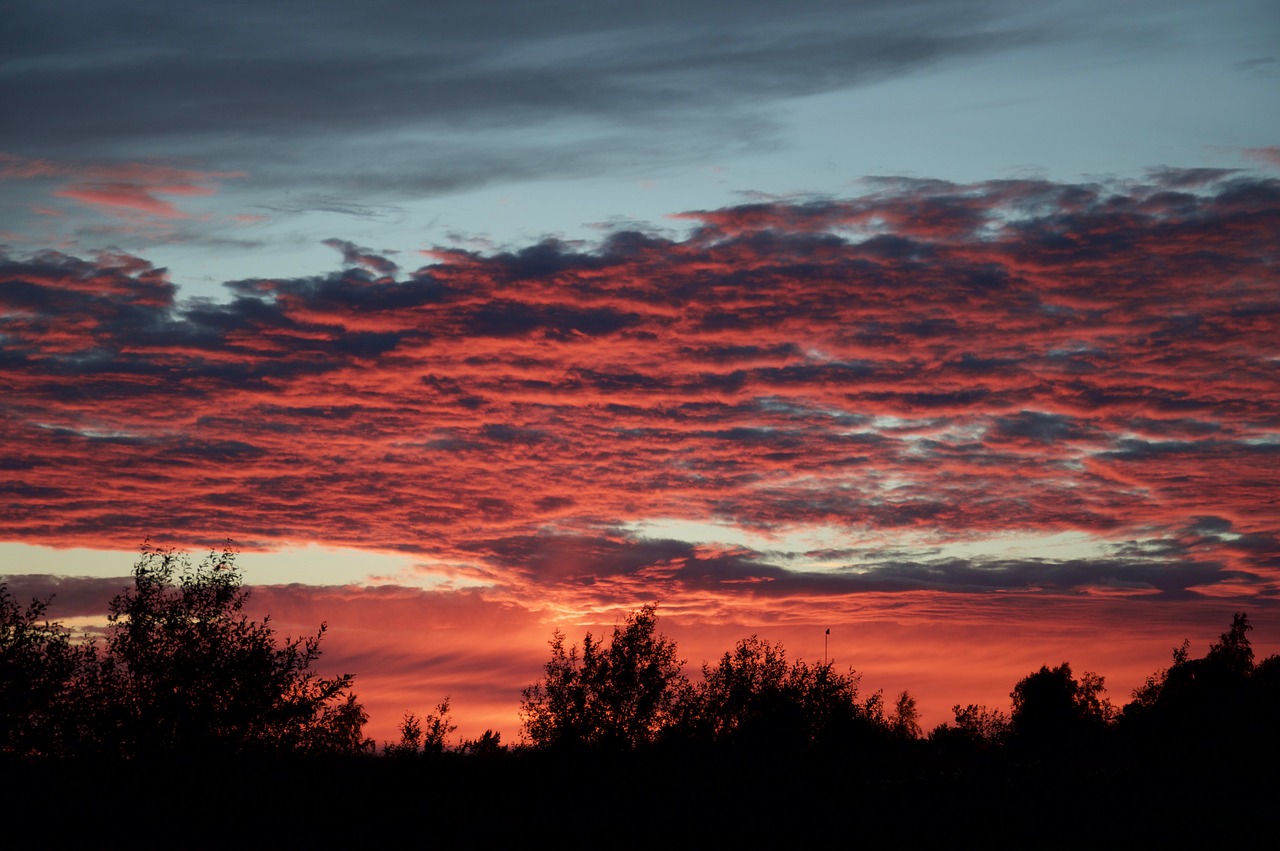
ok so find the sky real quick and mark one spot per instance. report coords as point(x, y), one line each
point(950, 327)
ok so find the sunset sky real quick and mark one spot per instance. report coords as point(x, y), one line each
point(953, 327)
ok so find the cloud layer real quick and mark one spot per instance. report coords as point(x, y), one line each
point(222, 141)
point(143, 77)
point(924, 366)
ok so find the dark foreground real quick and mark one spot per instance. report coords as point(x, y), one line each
point(638, 800)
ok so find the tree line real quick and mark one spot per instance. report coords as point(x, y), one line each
point(183, 670)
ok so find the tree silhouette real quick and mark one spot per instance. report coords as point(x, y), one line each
point(1052, 708)
point(184, 672)
point(423, 737)
point(974, 724)
point(745, 692)
point(753, 697)
point(1232, 653)
point(190, 673)
point(42, 672)
point(905, 719)
point(620, 697)
point(1196, 710)
point(489, 744)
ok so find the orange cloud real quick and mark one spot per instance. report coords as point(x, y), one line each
point(1011, 358)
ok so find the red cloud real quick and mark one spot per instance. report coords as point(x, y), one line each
point(121, 189)
point(129, 197)
point(1012, 357)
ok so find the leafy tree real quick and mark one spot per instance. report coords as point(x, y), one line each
point(980, 724)
point(489, 744)
point(554, 711)
point(191, 673)
point(622, 696)
point(1232, 652)
point(976, 737)
point(831, 712)
point(753, 696)
point(437, 727)
point(410, 743)
point(424, 736)
point(1052, 707)
point(1193, 683)
point(745, 690)
point(1199, 709)
point(905, 720)
point(41, 671)
point(1228, 664)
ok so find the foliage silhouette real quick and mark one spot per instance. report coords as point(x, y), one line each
point(183, 672)
point(42, 673)
point(905, 719)
point(192, 673)
point(489, 744)
point(632, 693)
point(975, 724)
point(1190, 688)
point(753, 697)
point(1052, 709)
point(423, 737)
point(618, 697)
point(1197, 709)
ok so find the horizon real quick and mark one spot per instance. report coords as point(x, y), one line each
point(959, 659)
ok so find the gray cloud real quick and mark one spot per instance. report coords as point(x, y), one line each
point(239, 81)
point(1161, 568)
point(69, 596)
